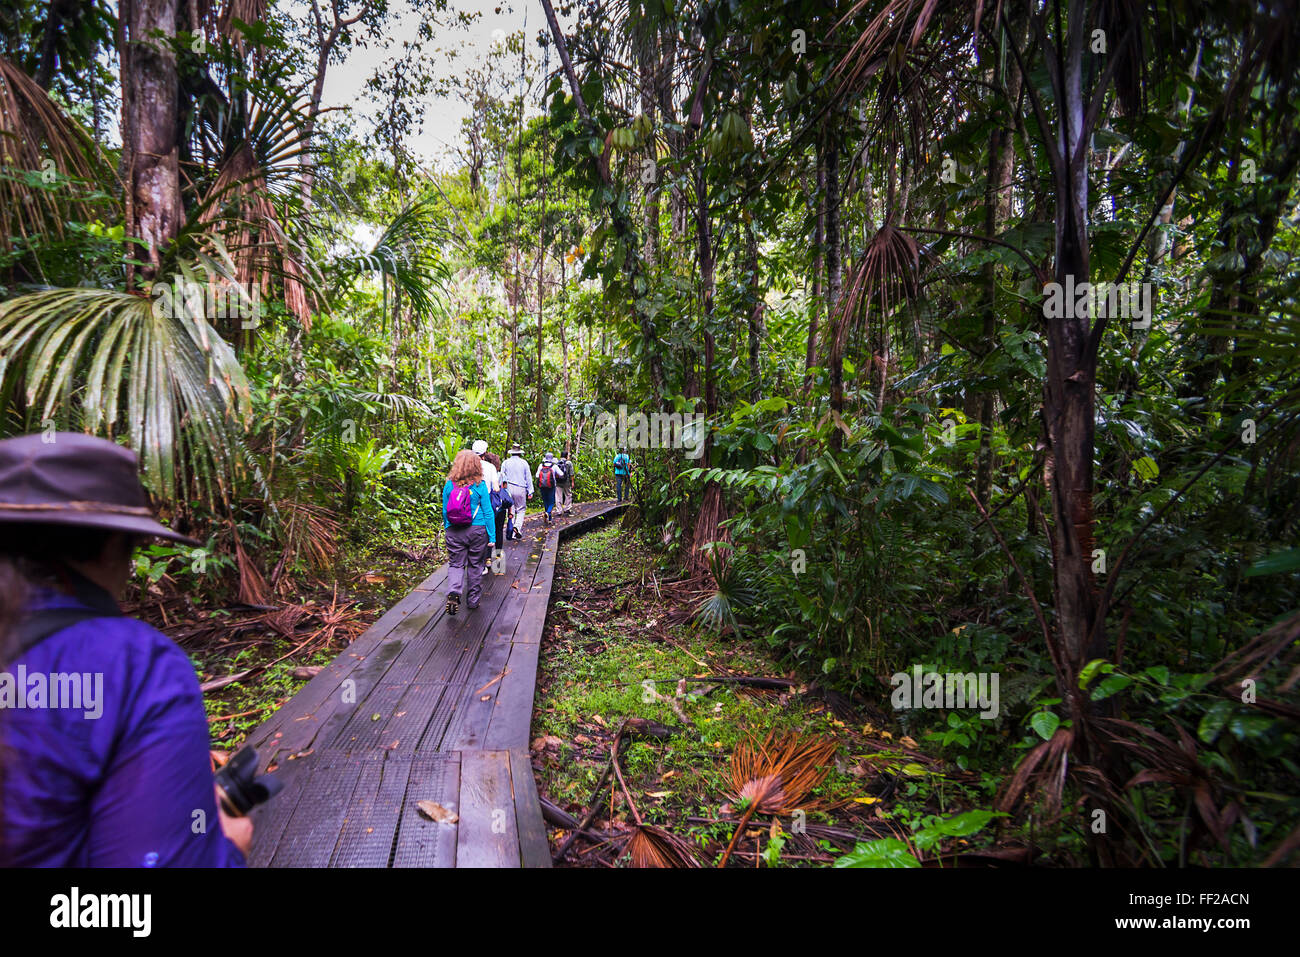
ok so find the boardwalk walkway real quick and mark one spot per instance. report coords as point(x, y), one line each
point(422, 707)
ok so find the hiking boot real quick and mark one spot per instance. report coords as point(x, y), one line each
point(453, 603)
point(472, 605)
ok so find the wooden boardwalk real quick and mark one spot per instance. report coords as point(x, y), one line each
point(421, 707)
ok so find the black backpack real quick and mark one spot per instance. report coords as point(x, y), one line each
point(39, 625)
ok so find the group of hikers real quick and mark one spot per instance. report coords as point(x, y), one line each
point(103, 736)
point(484, 502)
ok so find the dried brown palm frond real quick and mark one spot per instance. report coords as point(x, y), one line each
point(239, 204)
point(777, 776)
point(651, 846)
point(37, 139)
point(647, 845)
point(896, 30)
point(252, 585)
point(249, 11)
point(310, 532)
point(1047, 763)
point(887, 274)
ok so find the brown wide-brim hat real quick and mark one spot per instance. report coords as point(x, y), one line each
point(66, 478)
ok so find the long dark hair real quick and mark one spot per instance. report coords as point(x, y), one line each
point(30, 556)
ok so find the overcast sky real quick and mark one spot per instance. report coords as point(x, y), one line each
point(345, 82)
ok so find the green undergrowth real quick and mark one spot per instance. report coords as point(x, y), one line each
point(603, 644)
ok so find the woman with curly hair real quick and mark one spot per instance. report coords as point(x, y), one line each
point(470, 528)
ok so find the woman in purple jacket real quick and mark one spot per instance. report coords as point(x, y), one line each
point(104, 756)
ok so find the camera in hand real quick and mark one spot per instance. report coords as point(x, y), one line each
point(239, 785)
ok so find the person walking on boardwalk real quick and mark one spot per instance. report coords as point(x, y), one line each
point(108, 766)
point(564, 484)
point(548, 476)
point(518, 478)
point(493, 479)
point(622, 474)
point(501, 508)
point(470, 526)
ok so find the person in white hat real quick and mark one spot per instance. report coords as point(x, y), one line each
point(518, 478)
point(493, 479)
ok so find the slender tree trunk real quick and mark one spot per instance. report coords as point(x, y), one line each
point(150, 101)
point(1071, 381)
point(819, 261)
point(756, 306)
point(834, 279)
point(997, 207)
point(564, 363)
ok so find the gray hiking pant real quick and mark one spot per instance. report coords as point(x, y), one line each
point(466, 547)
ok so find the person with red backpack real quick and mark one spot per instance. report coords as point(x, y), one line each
point(549, 475)
point(470, 527)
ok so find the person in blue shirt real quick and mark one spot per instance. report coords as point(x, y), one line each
point(104, 757)
point(622, 474)
point(470, 526)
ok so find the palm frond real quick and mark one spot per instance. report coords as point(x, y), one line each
point(405, 258)
point(777, 776)
point(256, 141)
point(115, 363)
point(37, 139)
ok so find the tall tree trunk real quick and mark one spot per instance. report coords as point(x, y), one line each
point(834, 279)
point(997, 207)
point(647, 64)
point(818, 283)
point(1071, 380)
point(564, 363)
point(541, 269)
point(150, 144)
point(756, 306)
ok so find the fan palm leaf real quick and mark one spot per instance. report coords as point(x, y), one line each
point(120, 364)
point(255, 142)
point(777, 776)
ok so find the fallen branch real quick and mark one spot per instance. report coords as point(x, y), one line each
point(753, 682)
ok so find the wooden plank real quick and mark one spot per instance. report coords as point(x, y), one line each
point(435, 581)
point(512, 715)
point(425, 710)
point(366, 838)
point(488, 835)
point(297, 722)
point(322, 725)
point(312, 834)
point(477, 700)
point(534, 849)
point(427, 676)
point(270, 819)
point(420, 841)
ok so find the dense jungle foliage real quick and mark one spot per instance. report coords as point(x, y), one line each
point(852, 236)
